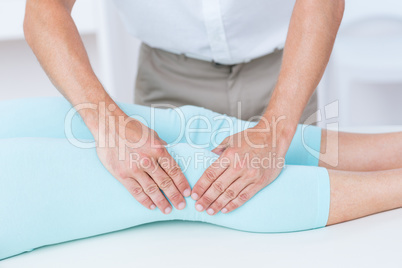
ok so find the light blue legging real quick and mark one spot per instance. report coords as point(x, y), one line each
point(52, 191)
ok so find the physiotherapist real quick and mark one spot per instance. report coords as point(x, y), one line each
point(255, 59)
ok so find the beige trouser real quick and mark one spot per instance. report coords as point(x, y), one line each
point(241, 90)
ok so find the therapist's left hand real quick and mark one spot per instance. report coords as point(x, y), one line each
point(248, 162)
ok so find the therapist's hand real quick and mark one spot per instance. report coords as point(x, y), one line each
point(53, 36)
point(248, 161)
point(135, 155)
point(311, 36)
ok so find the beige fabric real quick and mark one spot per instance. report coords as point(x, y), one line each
point(167, 78)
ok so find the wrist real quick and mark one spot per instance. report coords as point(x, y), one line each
point(280, 129)
point(98, 114)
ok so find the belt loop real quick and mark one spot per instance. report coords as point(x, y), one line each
point(219, 65)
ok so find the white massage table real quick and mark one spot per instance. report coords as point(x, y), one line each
point(374, 241)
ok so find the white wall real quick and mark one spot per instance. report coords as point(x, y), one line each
point(364, 75)
point(22, 76)
point(112, 52)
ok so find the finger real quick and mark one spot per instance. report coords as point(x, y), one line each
point(137, 192)
point(208, 177)
point(173, 170)
point(241, 198)
point(152, 190)
point(228, 195)
point(216, 189)
point(221, 147)
point(167, 185)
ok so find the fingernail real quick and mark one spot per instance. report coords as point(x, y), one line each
point(187, 192)
point(210, 211)
point(224, 210)
point(168, 210)
point(153, 206)
point(194, 196)
point(181, 205)
point(199, 207)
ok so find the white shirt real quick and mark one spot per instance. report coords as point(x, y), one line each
point(224, 31)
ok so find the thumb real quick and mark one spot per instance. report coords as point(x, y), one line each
point(221, 147)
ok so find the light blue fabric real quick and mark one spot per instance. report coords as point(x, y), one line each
point(52, 191)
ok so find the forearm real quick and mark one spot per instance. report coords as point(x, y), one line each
point(312, 31)
point(53, 36)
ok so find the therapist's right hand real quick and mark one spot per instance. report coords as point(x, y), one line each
point(136, 156)
point(53, 36)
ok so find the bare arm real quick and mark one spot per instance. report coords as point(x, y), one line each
point(54, 38)
point(312, 31)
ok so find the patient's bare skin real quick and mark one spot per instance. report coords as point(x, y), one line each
point(365, 173)
point(358, 194)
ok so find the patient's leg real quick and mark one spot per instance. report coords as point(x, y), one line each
point(360, 152)
point(358, 194)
